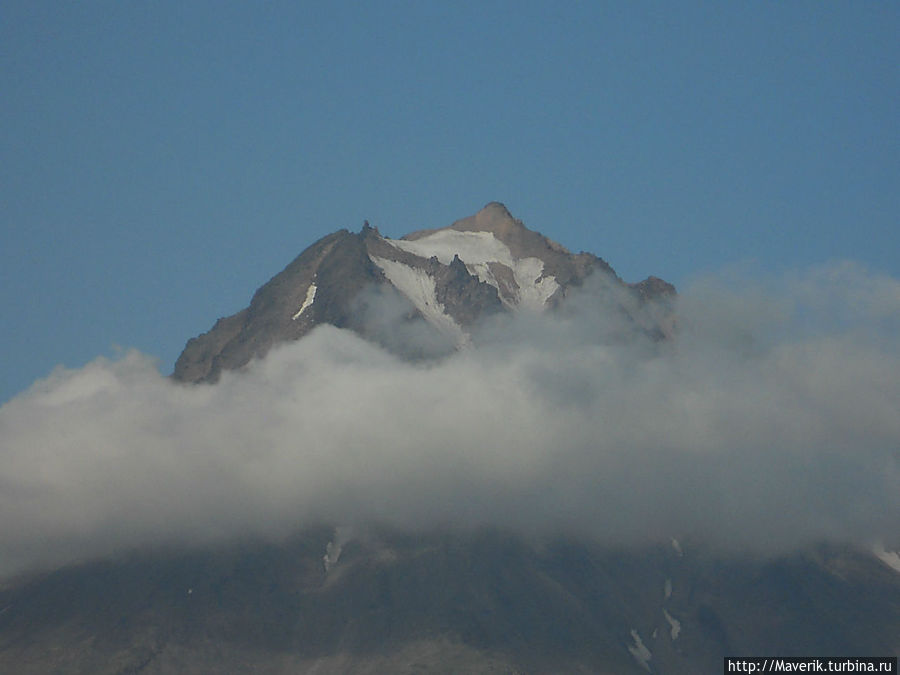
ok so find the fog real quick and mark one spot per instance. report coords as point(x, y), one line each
point(770, 421)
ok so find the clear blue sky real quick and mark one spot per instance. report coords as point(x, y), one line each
point(162, 160)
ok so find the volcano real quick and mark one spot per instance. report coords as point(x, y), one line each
point(378, 597)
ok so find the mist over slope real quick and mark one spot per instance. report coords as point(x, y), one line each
point(766, 423)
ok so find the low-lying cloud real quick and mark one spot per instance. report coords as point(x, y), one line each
point(772, 420)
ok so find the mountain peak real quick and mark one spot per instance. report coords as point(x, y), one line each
point(494, 217)
point(496, 205)
point(449, 277)
point(496, 212)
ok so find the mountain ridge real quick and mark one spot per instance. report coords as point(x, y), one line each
point(452, 277)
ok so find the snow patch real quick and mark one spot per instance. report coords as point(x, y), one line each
point(639, 651)
point(677, 547)
point(674, 623)
point(534, 288)
point(472, 247)
point(332, 555)
point(668, 589)
point(419, 287)
point(889, 558)
point(476, 250)
point(334, 547)
point(307, 303)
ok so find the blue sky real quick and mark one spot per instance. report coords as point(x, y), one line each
point(163, 160)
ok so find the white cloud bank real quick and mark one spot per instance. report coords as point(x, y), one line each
point(771, 421)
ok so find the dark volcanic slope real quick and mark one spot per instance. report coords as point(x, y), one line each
point(442, 603)
point(340, 267)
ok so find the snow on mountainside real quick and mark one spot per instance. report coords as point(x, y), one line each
point(519, 282)
point(450, 278)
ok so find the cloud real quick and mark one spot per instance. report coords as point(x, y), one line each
point(770, 421)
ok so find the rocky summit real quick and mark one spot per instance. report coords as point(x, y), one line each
point(450, 278)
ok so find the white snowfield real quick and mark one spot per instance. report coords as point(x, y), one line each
point(332, 555)
point(889, 558)
point(478, 250)
point(639, 651)
point(471, 247)
point(419, 287)
point(307, 303)
point(674, 623)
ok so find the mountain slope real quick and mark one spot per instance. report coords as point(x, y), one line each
point(483, 602)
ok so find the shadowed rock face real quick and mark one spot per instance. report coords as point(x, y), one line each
point(339, 267)
point(476, 267)
point(445, 602)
